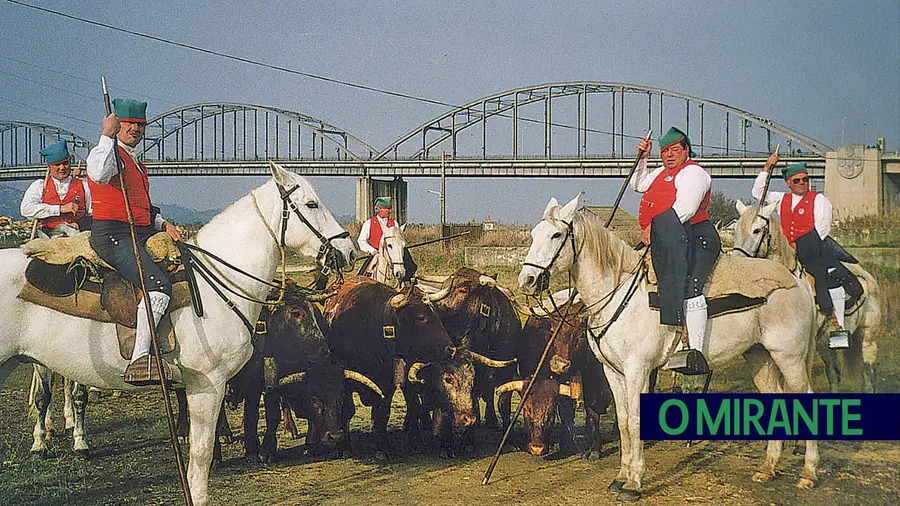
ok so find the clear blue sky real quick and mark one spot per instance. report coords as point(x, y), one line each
point(807, 65)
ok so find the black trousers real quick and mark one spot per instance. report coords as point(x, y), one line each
point(818, 261)
point(683, 258)
point(112, 242)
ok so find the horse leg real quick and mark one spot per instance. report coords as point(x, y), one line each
point(637, 381)
point(42, 393)
point(866, 336)
point(223, 430)
point(273, 418)
point(832, 366)
point(617, 385)
point(797, 381)
point(69, 388)
point(767, 379)
point(203, 410)
point(381, 412)
point(182, 426)
point(251, 425)
point(290, 428)
point(78, 396)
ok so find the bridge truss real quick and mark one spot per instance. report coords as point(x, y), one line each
point(21, 141)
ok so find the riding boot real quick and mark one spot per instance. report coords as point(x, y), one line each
point(142, 369)
point(838, 338)
point(691, 361)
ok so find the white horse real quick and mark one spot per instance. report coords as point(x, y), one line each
point(774, 338)
point(210, 349)
point(758, 233)
point(387, 264)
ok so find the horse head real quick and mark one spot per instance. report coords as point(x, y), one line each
point(753, 230)
point(390, 253)
point(307, 226)
point(548, 253)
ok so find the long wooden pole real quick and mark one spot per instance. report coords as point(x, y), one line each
point(762, 198)
point(634, 165)
point(34, 221)
point(154, 346)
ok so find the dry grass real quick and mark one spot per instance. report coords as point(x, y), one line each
point(888, 221)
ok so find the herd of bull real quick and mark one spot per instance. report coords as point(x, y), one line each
point(446, 347)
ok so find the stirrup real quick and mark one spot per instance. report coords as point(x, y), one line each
point(838, 339)
point(688, 362)
point(143, 372)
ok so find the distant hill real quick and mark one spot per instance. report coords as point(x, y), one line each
point(10, 198)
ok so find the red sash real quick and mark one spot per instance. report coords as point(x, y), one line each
point(375, 231)
point(74, 195)
point(800, 220)
point(660, 197)
point(107, 201)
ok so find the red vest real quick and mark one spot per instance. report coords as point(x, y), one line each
point(107, 201)
point(660, 197)
point(375, 231)
point(75, 194)
point(800, 220)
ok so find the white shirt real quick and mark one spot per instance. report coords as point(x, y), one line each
point(33, 207)
point(365, 233)
point(692, 184)
point(102, 166)
point(822, 211)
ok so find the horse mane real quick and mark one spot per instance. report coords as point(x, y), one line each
point(779, 248)
point(603, 246)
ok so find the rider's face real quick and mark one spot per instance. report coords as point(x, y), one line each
point(383, 212)
point(799, 183)
point(674, 155)
point(131, 132)
point(60, 170)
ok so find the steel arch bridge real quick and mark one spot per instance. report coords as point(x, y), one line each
point(20, 142)
point(442, 132)
point(242, 132)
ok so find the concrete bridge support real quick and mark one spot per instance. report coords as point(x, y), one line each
point(368, 188)
point(861, 180)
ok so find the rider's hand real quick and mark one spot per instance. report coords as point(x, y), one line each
point(173, 232)
point(111, 126)
point(643, 147)
point(71, 207)
point(645, 235)
point(772, 160)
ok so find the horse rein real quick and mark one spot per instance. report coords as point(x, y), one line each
point(545, 270)
point(326, 250)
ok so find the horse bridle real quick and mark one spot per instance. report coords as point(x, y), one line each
point(327, 251)
point(544, 275)
point(767, 236)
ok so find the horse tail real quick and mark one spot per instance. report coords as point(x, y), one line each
point(863, 348)
point(32, 393)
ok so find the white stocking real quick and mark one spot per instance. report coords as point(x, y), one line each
point(838, 296)
point(695, 316)
point(158, 304)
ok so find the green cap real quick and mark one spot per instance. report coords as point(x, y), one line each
point(792, 169)
point(56, 152)
point(383, 202)
point(672, 136)
point(127, 110)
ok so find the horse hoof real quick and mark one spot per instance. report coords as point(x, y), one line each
point(805, 484)
point(626, 495)
point(762, 477)
point(616, 486)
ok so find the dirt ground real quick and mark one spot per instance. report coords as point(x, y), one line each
point(131, 462)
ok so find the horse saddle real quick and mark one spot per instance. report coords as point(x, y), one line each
point(735, 284)
point(66, 275)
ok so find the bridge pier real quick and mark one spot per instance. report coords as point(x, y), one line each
point(861, 180)
point(368, 188)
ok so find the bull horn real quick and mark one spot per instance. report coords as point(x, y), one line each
point(360, 378)
point(436, 296)
point(572, 390)
point(485, 280)
point(290, 379)
point(506, 291)
point(511, 386)
point(489, 361)
point(432, 279)
point(413, 374)
point(427, 289)
point(399, 300)
point(321, 297)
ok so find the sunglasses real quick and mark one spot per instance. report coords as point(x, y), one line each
point(798, 180)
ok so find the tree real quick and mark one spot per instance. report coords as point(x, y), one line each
point(721, 208)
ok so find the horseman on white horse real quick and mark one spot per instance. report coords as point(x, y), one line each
point(806, 221)
point(684, 245)
point(111, 235)
point(377, 233)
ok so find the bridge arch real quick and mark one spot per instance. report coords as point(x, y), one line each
point(21, 142)
point(443, 131)
point(202, 132)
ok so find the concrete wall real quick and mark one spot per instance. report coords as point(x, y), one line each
point(367, 189)
point(865, 237)
point(889, 257)
point(854, 181)
point(491, 256)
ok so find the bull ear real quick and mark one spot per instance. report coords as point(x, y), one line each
point(568, 211)
point(769, 209)
point(549, 209)
point(740, 206)
point(282, 176)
